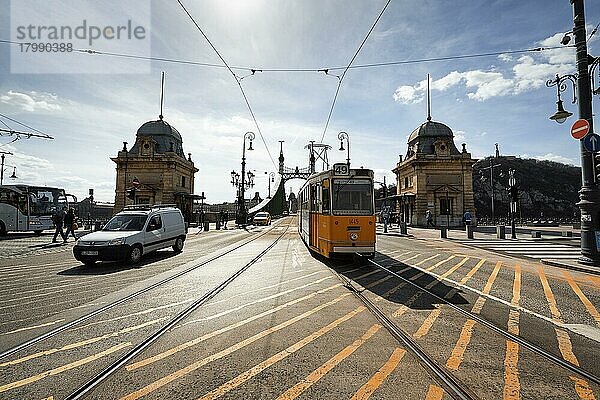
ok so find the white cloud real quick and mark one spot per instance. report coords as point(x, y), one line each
point(529, 72)
point(459, 136)
point(32, 101)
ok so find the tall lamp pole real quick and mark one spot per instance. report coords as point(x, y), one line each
point(271, 179)
point(514, 197)
point(589, 194)
point(344, 136)
point(242, 215)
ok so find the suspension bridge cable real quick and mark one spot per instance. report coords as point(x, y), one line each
point(341, 78)
point(237, 79)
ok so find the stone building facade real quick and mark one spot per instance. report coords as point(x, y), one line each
point(156, 167)
point(434, 175)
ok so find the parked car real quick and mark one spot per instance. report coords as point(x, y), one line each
point(262, 218)
point(135, 231)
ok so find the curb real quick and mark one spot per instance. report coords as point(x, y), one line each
point(576, 267)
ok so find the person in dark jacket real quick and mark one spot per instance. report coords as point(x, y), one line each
point(58, 218)
point(70, 220)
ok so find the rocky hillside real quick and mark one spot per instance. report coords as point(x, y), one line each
point(547, 189)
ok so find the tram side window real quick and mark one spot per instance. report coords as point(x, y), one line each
point(314, 201)
point(326, 200)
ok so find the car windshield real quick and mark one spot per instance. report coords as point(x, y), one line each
point(126, 222)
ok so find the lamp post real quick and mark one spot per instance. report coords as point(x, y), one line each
point(514, 197)
point(271, 179)
point(2, 166)
point(491, 168)
point(344, 136)
point(242, 214)
point(589, 194)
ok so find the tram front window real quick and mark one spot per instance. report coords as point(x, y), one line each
point(352, 197)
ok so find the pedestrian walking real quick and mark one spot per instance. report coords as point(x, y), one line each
point(70, 224)
point(429, 218)
point(58, 218)
point(225, 218)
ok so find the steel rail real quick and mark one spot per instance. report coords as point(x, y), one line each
point(122, 300)
point(117, 364)
point(517, 339)
point(451, 384)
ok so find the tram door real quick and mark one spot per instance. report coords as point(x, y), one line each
point(314, 215)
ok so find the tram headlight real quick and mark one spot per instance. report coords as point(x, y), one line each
point(353, 236)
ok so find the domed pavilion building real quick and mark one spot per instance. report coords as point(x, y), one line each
point(434, 175)
point(156, 167)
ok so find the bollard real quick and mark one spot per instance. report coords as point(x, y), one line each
point(218, 227)
point(501, 232)
point(536, 234)
point(469, 229)
point(444, 233)
point(403, 229)
point(205, 226)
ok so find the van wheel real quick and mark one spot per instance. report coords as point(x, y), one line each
point(178, 246)
point(2, 229)
point(37, 233)
point(135, 254)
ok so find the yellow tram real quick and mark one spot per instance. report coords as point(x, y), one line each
point(337, 212)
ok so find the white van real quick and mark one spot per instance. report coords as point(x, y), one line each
point(135, 231)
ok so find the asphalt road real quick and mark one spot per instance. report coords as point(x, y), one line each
point(293, 325)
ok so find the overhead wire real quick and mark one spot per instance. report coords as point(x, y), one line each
point(237, 79)
point(341, 78)
point(43, 134)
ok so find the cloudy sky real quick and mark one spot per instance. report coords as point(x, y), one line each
point(90, 104)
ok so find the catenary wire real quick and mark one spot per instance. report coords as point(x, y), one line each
point(315, 69)
point(237, 79)
point(45, 135)
point(341, 78)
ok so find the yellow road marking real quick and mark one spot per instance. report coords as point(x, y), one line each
point(210, 335)
point(434, 393)
point(595, 280)
point(588, 304)
point(80, 344)
point(63, 368)
point(200, 363)
point(512, 386)
point(245, 376)
point(411, 258)
point(458, 353)
point(320, 372)
point(427, 259)
point(33, 327)
point(377, 379)
point(428, 323)
point(564, 340)
point(440, 263)
point(473, 271)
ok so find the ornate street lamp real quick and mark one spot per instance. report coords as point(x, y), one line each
point(514, 197)
point(561, 115)
point(241, 217)
point(271, 179)
point(589, 194)
point(344, 136)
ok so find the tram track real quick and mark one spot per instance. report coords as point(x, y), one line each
point(140, 347)
point(503, 332)
point(454, 387)
point(131, 296)
point(449, 382)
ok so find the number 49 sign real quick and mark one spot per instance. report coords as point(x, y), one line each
point(341, 169)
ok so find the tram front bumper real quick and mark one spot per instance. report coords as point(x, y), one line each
point(353, 249)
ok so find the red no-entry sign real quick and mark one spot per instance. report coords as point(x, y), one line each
point(580, 128)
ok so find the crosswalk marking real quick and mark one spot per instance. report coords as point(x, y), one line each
point(528, 248)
